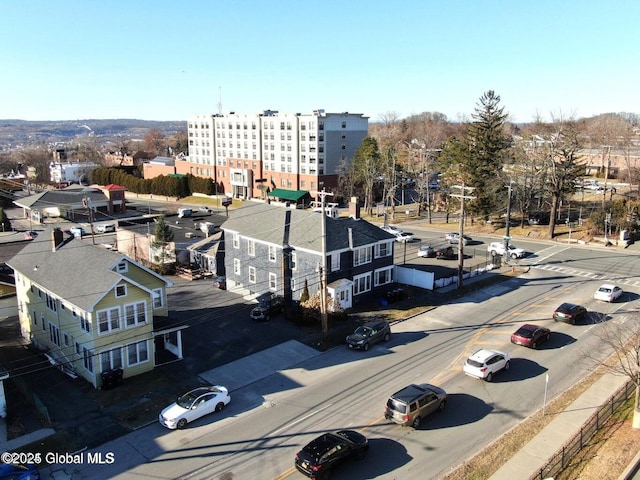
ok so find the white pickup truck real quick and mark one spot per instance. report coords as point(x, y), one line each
point(497, 249)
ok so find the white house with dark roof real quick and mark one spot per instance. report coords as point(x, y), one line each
point(90, 310)
point(276, 249)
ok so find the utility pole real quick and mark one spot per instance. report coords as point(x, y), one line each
point(323, 268)
point(462, 198)
point(507, 237)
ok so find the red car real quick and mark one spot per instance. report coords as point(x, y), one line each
point(530, 335)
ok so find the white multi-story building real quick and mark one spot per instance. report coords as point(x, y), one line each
point(249, 154)
point(68, 172)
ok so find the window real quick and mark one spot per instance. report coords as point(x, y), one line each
point(236, 240)
point(66, 339)
point(361, 283)
point(78, 350)
point(54, 334)
point(44, 325)
point(34, 316)
point(111, 359)
point(87, 359)
point(51, 303)
point(121, 291)
point(84, 323)
point(137, 353)
point(251, 244)
point(135, 314)
point(294, 260)
point(335, 262)
point(109, 320)
point(158, 300)
point(236, 266)
point(272, 253)
point(383, 249)
point(383, 276)
point(273, 281)
point(122, 266)
point(252, 274)
point(361, 256)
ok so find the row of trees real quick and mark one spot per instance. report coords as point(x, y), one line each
point(541, 163)
point(179, 186)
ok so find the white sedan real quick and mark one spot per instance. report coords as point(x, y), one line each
point(608, 293)
point(404, 237)
point(392, 229)
point(193, 405)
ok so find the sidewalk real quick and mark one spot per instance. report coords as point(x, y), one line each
point(536, 454)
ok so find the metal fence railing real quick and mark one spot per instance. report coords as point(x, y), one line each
point(563, 457)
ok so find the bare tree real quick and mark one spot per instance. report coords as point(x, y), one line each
point(366, 169)
point(623, 340)
point(155, 142)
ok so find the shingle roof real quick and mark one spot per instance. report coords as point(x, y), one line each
point(77, 270)
point(300, 228)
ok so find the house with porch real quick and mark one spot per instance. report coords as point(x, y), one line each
point(93, 312)
point(272, 248)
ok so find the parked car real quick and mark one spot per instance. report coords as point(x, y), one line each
point(204, 209)
point(569, 313)
point(485, 363)
point(267, 306)
point(19, 471)
point(608, 293)
point(220, 282)
point(106, 228)
point(446, 253)
point(194, 404)
point(454, 237)
point(395, 295)
point(392, 229)
point(320, 456)
point(529, 335)
point(368, 334)
point(497, 249)
point(76, 231)
point(404, 238)
point(426, 251)
point(413, 403)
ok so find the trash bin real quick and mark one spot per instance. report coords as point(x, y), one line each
point(111, 378)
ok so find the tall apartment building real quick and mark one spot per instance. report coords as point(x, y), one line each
point(248, 155)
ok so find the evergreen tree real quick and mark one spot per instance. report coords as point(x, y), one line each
point(304, 296)
point(162, 237)
point(488, 147)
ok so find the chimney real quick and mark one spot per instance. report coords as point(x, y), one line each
point(350, 238)
point(57, 237)
point(354, 208)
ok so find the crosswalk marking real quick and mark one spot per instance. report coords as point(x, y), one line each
point(591, 275)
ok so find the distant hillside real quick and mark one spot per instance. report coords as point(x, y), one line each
point(15, 133)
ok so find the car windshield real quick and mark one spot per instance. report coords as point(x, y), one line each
point(364, 331)
point(186, 400)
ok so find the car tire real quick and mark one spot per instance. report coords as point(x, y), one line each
point(220, 407)
point(416, 422)
point(534, 345)
point(514, 256)
point(365, 347)
point(493, 253)
point(387, 337)
point(489, 377)
point(507, 365)
point(266, 318)
point(182, 423)
point(442, 405)
point(361, 454)
point(548, 337)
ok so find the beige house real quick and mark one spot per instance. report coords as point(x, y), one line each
point(93, 312)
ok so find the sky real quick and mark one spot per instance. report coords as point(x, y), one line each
point(168, 60)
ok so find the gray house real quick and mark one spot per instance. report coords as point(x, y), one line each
point(276, 249)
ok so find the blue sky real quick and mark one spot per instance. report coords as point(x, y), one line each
point(167, 60)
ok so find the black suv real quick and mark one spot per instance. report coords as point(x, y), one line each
point(318, 458)
point(267, 306)
point(414, 402)
point(368, 334)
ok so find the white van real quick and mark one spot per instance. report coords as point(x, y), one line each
point(184, 212)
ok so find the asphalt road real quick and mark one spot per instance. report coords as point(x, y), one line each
point(270, 420)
